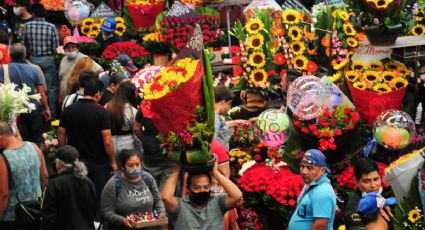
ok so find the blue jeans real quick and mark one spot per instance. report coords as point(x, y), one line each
point(48, 65)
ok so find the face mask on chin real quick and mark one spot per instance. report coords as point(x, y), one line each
point(17, 11)
point(199, 198)
point(106, 35)
point(133, 173)
point(71, 55)
point(379, 192)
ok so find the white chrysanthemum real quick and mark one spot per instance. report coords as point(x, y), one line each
point(246, 166)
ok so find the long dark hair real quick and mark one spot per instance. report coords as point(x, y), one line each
point(126, 93)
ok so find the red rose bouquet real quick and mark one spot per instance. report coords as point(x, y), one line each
point(134, 50)
point(144, 12)
point(249, 220)
point(243, 137)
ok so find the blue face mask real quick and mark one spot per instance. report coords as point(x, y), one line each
point(133, 173)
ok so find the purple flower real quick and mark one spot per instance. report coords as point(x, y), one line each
point(376, 21)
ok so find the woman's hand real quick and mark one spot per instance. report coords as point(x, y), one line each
point(127, 223)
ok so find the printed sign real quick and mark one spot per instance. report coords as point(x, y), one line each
point(102, 11)
point(369, 54)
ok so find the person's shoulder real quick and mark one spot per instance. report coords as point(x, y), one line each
point(324, 189)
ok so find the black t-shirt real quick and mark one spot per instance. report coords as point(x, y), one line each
point(106, 97)
point(19, 27)
point(351, 219)
point(84, 121)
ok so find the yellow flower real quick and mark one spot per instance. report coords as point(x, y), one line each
point(119, 20)
point(399, 83)
point(404, 71)
point(256, 42)
point(352, 42)
point(335, 77)
point(388, 76)
point(381, 88)
point(257, 59)
point(337, 66)
point(392, 65)
point(258, 77)
point(418, 30)
point(343, 15)
point(357, 65)
point(295, 33)
point(120, 29)
point(55, 123)
point(88, 22)
point(95, 28)
point(342, 227)
point(349, 29)
point(352, 75)
point(360, 85)
point(371, 76)
point(254, 25)
point(298, 48)
point(414, 215)
point(85, 30)
point(382, 4)
point(291, 16)
point(376, 65)
point(300, 62)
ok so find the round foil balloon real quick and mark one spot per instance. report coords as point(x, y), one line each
point(274, 127)
point(306, 97)
point(394, 129)
point(76, 11)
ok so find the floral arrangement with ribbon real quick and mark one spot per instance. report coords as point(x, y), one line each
point(91, 27)
point(331, 125)
point(134, 50)
point(14, 101)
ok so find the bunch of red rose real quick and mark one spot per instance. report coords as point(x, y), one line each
point(256, 179)
point(330, 125)
point(249, 220)
point(347, 180)
point(133, 49)
point(177, 31)
point(244, 137)
point(285, 187)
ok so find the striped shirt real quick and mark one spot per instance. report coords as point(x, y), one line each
point(40, 37)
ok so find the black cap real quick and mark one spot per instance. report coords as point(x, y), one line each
point(22, 3)
point(67, 154)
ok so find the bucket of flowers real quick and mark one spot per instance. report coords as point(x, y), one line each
point(377, 87)
point(137, 52)
point(155, 44)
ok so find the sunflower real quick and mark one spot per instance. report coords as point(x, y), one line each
point(392, 65)
point(414, 215)
point(359, 85)
point(352, 42)
point(371, 76)
point(93, 35)
point(256, 42)
point(254, 25)
point(358, 65)
point(291, 16)
point(297, 48)
point(95, 28)
point(300, 62)
point(343, 15)
point(399, 83)
point(388, 76)
point(376, 65)
point(337, 65)
point(381, 88)
point(404, 71)
point(295, 33)
point(85, 30)
point(257, 59)
point(335, 77)
point(382, 4)
point(258, 77)
point(349, 29)
point(119, 20)
point(352, 75)
point(87, 22)
point(418, 30)
point(120, 29)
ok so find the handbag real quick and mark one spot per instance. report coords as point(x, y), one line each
point(27, 213)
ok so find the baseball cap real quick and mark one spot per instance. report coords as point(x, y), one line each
point(69, 39)
point(67, 154)
point(108, 25)
point(127, 62)
point(315, 157)
point(372, 202)
point(22, 3)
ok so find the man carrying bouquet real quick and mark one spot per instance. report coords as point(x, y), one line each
point(316, 205)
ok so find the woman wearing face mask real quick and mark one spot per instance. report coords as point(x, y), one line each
point(129, 191)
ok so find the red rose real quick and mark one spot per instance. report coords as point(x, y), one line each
point(297, 123)
point(311, 67)
point(271, 72)
point(326, 113)
point(325, 124)
point(317, 133)
point(312, 127)
point(257, 157)
point(349, 127)
point(347, 110)
point(326, 134)
point(345, 119)
point(282, 73)
point(279, 59)
point(337, 132)
point(235, 49)
point(304, 130)
point(320, 119)
point(291, 202)
point(237, 71)
point(236, 59)
point(333, 121)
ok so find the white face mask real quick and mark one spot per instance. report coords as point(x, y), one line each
point(17, 11)
point(71, 55)
point(379, 192)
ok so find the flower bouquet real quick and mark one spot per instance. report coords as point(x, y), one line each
point(237, 158)
point(244, 137)
point(51, 139)
point(155, 43)
point(249, 220)
point(148, 219)
point(144, 12)
point(145, 76)
point(377, 87)
point(15, 101)
point(91, 27)
point(408, 216)
point(134, 50)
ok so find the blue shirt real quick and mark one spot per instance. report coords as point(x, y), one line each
point(317, 200)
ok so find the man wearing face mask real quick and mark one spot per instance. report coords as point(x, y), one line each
point(368, 180)
point(68, 62)
point(107, 36)
point(21, 11)
point(199, 210)
point(316, 205)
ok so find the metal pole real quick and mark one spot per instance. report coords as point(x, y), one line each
point(229, 39)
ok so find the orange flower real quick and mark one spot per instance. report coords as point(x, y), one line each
point(326, 42)
point(309, 35)
point(311, 52)
point(277, 31)
point(328, 52)
point(360, 37)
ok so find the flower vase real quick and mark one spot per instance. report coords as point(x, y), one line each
point(160, 59)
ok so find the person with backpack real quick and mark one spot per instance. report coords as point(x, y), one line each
point(130, 191)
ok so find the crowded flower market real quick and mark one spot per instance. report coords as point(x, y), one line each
point(212, 114)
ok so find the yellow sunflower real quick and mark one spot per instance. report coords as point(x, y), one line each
point(297, 48)
point(352, 42)
point(258, 77)
point(295, 33)
point(376, 65)
point(95, 28)
point(119, 20)
point(404, 71)
point(388, 76)
point(254, 25)
point(371, 75)
point(349, 29)
point(414, 215)
point(300, 62)
point(120, 29)
point(392, 65)
point(85, 30)
point(382, 4)
point(343, 15)
point(359, 85)
point(87, 22)
point(335, 77)
point(339, 65)
point(256, 42)
point(399, 83)
point(257, 59)
point(357, 65)
point(418, 30)
point(291, 16)
point(93, 35)
point(352, 75)
point(381, 88)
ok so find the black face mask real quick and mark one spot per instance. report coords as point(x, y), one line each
point(199, 198)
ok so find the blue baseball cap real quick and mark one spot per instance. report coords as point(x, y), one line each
point(372, 202)
point(109, 25)
point(315, 157)
point(127, 62)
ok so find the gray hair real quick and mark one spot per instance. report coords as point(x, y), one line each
point(79, 168)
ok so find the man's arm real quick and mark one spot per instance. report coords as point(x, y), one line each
point(44, 175)
point(62, 136)
point(40, 90)
point(233, 192)
point(109, 147)
point(320, 224)
point(167, 195)
point(4, 187)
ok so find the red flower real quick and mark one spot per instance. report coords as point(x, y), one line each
point(235, 49)
point(279, 59)
point(297, 123)
point(282, 73)
point(304, 130)
point(326, 113)
point(345, 119)
point(311, 67)
point(312, 127)
point(333, 121)
point(257, 157)
point(237, 71)
point(326, 134)
point(325, 124)
point(347, 110)
point(271, 72)
point(292, 202)
point(317, 133)
point(337, 132)
point(236, 59)
point(349, 127)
